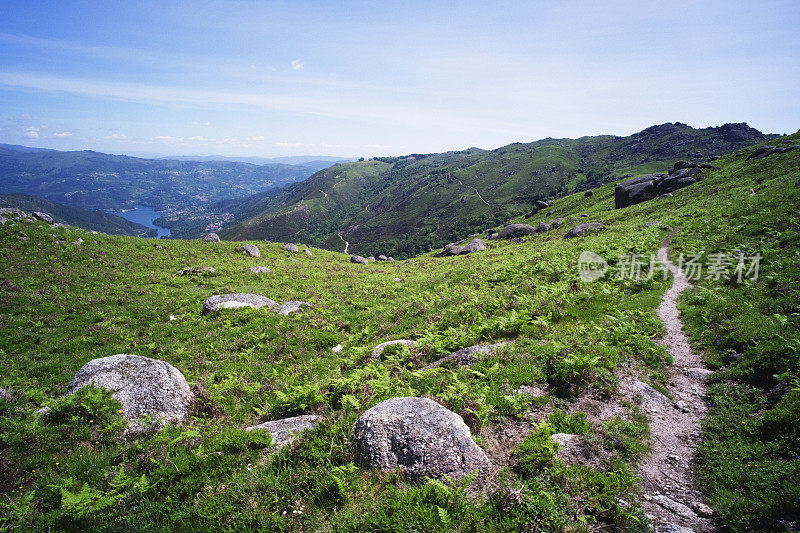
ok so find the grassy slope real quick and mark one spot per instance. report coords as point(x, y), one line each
point(409, 205)
point(75, 216)
point(63, 306)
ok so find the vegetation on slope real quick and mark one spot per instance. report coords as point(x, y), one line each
point(403, 206)
point(65, 305)
point(75, 216)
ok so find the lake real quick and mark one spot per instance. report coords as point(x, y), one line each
point(144, 216)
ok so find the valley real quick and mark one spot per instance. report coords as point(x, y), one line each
point(580, 398)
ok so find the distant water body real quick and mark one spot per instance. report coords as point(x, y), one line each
point(144, 216)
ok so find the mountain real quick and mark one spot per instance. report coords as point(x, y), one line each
point(95, 180)
point(575, 398)
point(76, 216)
point(403, 206)
point(300, 160)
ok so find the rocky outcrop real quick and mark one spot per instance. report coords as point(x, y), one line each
point(378, 350)
point(215, 304)
point(233, 301)
point(766, 151)
point(541, 204)
point(541, 227)
point(514, 230)
point(582, 229)
point(289, 247)
point(649, 186)
point(211, 237)
point(250, 249)
point(475, 245)
point(358, 259)
point(145, 387)
point(286, 430)
point(419, 437)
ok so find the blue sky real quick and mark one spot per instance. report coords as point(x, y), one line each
point(268, 78)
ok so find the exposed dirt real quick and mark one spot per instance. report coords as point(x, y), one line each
point(671, 498)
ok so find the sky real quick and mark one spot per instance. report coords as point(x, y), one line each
point(346, 78)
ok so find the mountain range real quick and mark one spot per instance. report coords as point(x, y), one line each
point(94, 180)
point(403, 206)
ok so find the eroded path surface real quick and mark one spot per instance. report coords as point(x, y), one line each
point(671, 498)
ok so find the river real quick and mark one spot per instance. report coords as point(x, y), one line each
point(144, 216)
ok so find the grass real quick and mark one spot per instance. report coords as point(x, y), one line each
point(65, 304)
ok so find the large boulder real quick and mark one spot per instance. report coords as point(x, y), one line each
point(289, 247)
point(541, 204)
point(211, 237)
point(419, 437)
point(649, 186)
point(541, 227)
point(582, 229)
point(514, 230)
point(145, 387)
point(43, 216)
point(250, 249)
point(358, 259)
point(286, 430)
point(232, 301)
point(475, 245)
point(466, 356)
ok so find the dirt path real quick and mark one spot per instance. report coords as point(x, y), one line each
point(346, 244)
point(671, 499)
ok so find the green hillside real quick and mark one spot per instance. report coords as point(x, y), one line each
point(575, 343)
point(403, 206)
point(75, 216)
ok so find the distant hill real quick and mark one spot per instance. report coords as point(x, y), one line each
point(76, 216)
point(403, 206)
point(95, 180)
point(302, 160)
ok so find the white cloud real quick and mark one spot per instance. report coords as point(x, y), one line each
point(198, 123)
point(118, 137)
point(297, 65)
point(62, 135)
point(293, 145)
point(32, 132)
point(256, 138)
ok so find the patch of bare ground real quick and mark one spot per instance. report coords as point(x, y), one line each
point(671, 499)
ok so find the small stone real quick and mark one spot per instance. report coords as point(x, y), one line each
point(286, 430)
point(337, 349)
point(290, 307)
point(378, 350)
point(260, 270)
point(289, 247)
point(702, 509)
